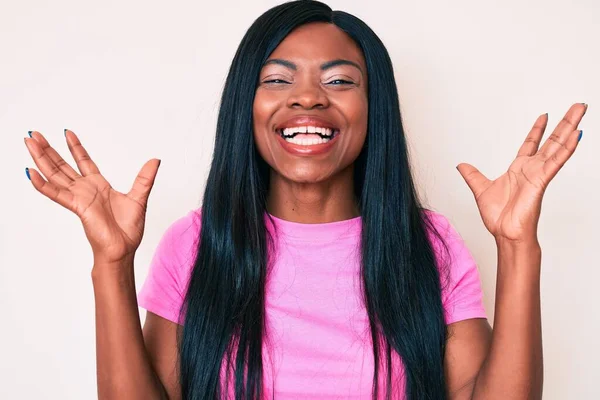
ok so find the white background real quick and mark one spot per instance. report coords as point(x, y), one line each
point(142, 79)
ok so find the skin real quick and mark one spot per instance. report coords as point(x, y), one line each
point(317, 188)
point(135, 362)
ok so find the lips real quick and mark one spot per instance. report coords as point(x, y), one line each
point(305, 120)
point(307, 150)
point(312, 135)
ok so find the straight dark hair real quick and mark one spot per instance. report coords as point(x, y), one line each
point(224, 305)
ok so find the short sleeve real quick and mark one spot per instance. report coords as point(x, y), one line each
point(462, 295)
point(164, 288)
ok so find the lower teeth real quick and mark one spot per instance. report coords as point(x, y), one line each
point(307, 142)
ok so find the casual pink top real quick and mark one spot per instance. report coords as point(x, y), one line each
point(319, 343)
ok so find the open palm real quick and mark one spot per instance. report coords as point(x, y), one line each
point(113, 222)
point(510, 205)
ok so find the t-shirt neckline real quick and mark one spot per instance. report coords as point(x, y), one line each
point(316, 232)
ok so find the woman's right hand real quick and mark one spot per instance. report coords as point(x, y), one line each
point(113, 222)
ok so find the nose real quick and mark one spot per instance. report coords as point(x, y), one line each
point(308, 96)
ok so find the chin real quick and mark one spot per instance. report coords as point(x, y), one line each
point(305, 176)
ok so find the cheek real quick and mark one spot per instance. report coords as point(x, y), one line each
point(265, 105)
point(358, 111)
point(355, 109)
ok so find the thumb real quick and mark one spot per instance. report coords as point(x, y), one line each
point(476, 181)
point(144, 181)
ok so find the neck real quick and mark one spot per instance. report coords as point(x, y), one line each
point(312, 203)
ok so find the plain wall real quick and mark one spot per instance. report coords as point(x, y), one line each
point(142, 79)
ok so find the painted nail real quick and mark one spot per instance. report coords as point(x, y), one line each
point(27, 173)
point(29, 133)
point(580, 135)
point(65, 132)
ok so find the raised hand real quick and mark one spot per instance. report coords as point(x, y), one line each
point(510, 205)
point(113, 222)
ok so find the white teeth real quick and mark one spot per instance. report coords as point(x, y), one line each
point(307, 142)
point(307, 129)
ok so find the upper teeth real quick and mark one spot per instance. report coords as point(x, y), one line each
point(307, 129)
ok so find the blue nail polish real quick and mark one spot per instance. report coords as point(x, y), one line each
point(27, 173)
point(65, 132)
point(580, 135)
point(29, 133)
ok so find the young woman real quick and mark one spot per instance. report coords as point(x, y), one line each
point(312, 270)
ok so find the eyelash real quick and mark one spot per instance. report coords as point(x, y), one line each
point(275, 81)
point(344, 82)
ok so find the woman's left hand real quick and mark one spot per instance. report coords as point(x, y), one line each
point(510, 205)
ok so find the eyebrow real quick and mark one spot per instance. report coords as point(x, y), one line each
point(324, 66)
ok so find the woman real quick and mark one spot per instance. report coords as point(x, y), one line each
point(312, 270)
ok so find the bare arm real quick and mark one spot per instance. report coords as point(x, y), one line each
point(510, 207)
point(123, 366)
point(513, 368)
point(160, 336)
point(505, 363)
point(114, 225)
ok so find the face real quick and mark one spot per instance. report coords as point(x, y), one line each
point(312, 91)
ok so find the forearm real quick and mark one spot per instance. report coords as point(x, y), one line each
point(513, 368)
point(123, 366)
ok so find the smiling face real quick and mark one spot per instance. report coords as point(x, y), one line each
point(312, 91)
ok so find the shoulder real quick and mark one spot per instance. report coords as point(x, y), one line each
point(441, 232)
point(462, 295)
point(185, 229)
point(437, 220)
point(179, 242)
point(187, 224)
point(452, 254)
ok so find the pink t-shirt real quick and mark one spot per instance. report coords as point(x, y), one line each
point(319, 343)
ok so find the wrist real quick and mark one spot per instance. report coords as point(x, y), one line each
point(115, 268)
point(529, 244)
point(519, 259)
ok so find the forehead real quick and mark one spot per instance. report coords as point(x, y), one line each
point(319, 41)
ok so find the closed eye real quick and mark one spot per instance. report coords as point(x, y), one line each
point(340, 82)
point(275, 81)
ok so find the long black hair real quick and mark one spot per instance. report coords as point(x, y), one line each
point(224, 304)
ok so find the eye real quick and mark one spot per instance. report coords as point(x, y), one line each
point(340, 82)
point(276, 81)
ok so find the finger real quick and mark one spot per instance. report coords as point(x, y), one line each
point(46, 165)
point(555, 162)
point(59, 195)
point(144, 181)
point(54, 156)
point(567, 125)
point(82, 158)
point(476, 181)
point(534, 138)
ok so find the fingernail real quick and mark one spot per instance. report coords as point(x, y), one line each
point(29, 133)
point(65, 132)
point(585, 105)
point(580, 135)
point(27, 173)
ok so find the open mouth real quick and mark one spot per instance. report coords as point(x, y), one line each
point(307, 135)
